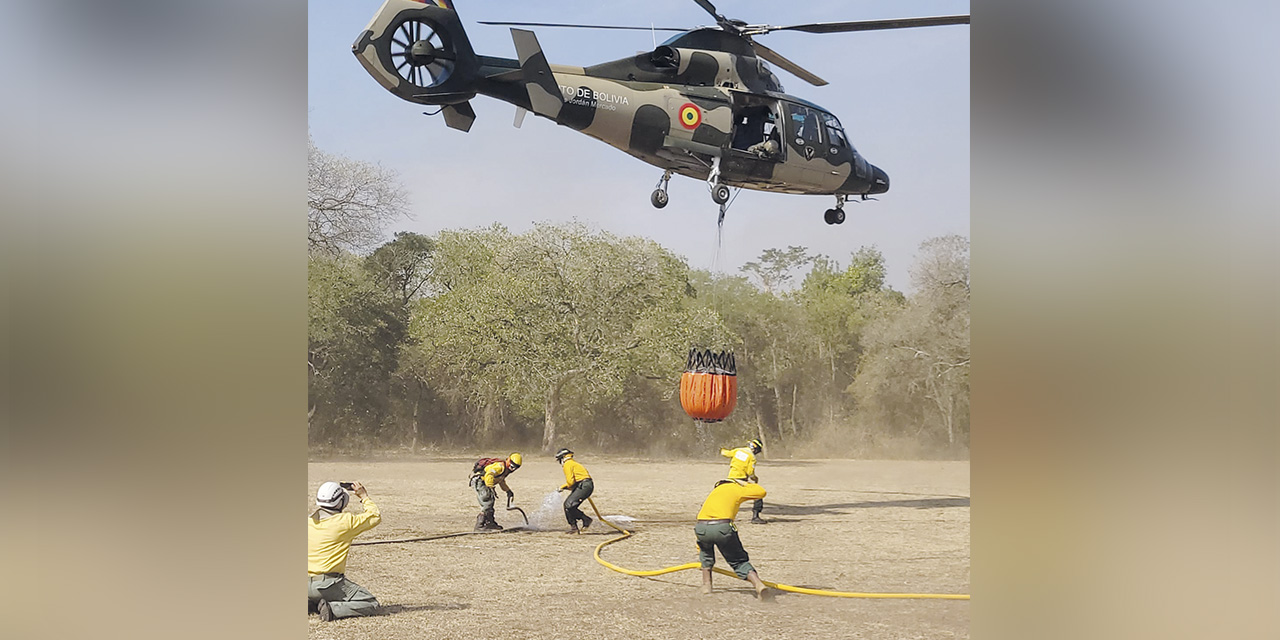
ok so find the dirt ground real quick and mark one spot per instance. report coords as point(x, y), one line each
point(866, 526)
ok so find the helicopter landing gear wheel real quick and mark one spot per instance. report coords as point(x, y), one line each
point(720, 194)
point(836, 215)
point(659, 198)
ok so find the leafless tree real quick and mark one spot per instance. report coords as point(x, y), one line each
point(349, 202)
point(942, 265)
point(916, 370)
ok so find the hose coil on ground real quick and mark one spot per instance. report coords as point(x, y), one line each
point(776, 585)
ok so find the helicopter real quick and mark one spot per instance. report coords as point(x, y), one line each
point(704, 104)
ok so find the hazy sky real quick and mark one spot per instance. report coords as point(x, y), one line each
point(902, 96)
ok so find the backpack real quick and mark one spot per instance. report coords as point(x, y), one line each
point(480, 464)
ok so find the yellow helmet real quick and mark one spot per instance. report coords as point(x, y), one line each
point(515, 460)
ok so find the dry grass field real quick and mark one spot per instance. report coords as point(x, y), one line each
point(867, 526)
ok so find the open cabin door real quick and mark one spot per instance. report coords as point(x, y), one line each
point(752, 157)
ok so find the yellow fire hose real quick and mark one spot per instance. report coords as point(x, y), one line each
point(781, 587)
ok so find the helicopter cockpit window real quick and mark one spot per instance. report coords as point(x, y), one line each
point(836, 135)
point(806, 130)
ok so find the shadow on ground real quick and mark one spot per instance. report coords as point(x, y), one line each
point(773, 508)
point(391, 609)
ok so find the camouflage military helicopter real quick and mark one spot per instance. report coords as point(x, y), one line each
point(704, 104)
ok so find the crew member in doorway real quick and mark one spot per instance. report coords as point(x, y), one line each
point(329, 536)
point(485, 474)
point(579, 485)
point(742, 466)
point(770, 147)
point(715, 530)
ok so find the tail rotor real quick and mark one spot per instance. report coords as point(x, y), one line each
point(420, 52)
point(424, 55)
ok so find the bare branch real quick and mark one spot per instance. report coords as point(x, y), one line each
point(349, 203)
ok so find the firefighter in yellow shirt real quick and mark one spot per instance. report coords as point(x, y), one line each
point(742, 465)
point(329, 536)
point(485, 474)
point(715, 530)
point(579, 485)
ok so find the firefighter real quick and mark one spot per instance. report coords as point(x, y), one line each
point(579, 485)
point(742, 465)
point(329, 536)
point(715, 530)
point(485, 473)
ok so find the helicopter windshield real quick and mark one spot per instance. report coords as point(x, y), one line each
point(835, 132)
point(813, 131)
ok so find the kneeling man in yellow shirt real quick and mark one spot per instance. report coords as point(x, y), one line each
point(329, 536)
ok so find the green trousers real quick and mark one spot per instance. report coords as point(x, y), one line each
point(722, 536)
point(345, 598)
point(485, 495)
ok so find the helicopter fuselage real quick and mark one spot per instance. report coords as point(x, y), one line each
point(701, 105)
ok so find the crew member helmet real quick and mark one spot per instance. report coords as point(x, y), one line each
point(514, 460)
point(562, 454)
point(756, 445)
point(331, 496)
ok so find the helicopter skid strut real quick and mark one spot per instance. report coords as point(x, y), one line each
point(719, 192)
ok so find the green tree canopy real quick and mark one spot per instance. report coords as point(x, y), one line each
point(403, 265)
point(526, 316)
point(354, 332)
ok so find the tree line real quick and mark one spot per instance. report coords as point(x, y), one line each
point(564, 336)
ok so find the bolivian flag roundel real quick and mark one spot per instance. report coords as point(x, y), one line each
point(690, 116)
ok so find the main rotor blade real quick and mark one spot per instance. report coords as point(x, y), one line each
point(867, 25)
point(711, 9)
point(578, 26)
point(797, 70)
point(728, 24)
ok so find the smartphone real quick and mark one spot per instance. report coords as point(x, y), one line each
point(347, 485)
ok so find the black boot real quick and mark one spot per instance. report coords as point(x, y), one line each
point(490, 523)
point(481, 522)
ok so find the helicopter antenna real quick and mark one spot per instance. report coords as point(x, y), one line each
point(653, 32)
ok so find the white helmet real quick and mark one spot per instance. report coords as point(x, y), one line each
point(331, 496)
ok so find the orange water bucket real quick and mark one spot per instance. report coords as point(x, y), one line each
point(709, 385)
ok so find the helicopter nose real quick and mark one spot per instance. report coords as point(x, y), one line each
point(879, 180)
